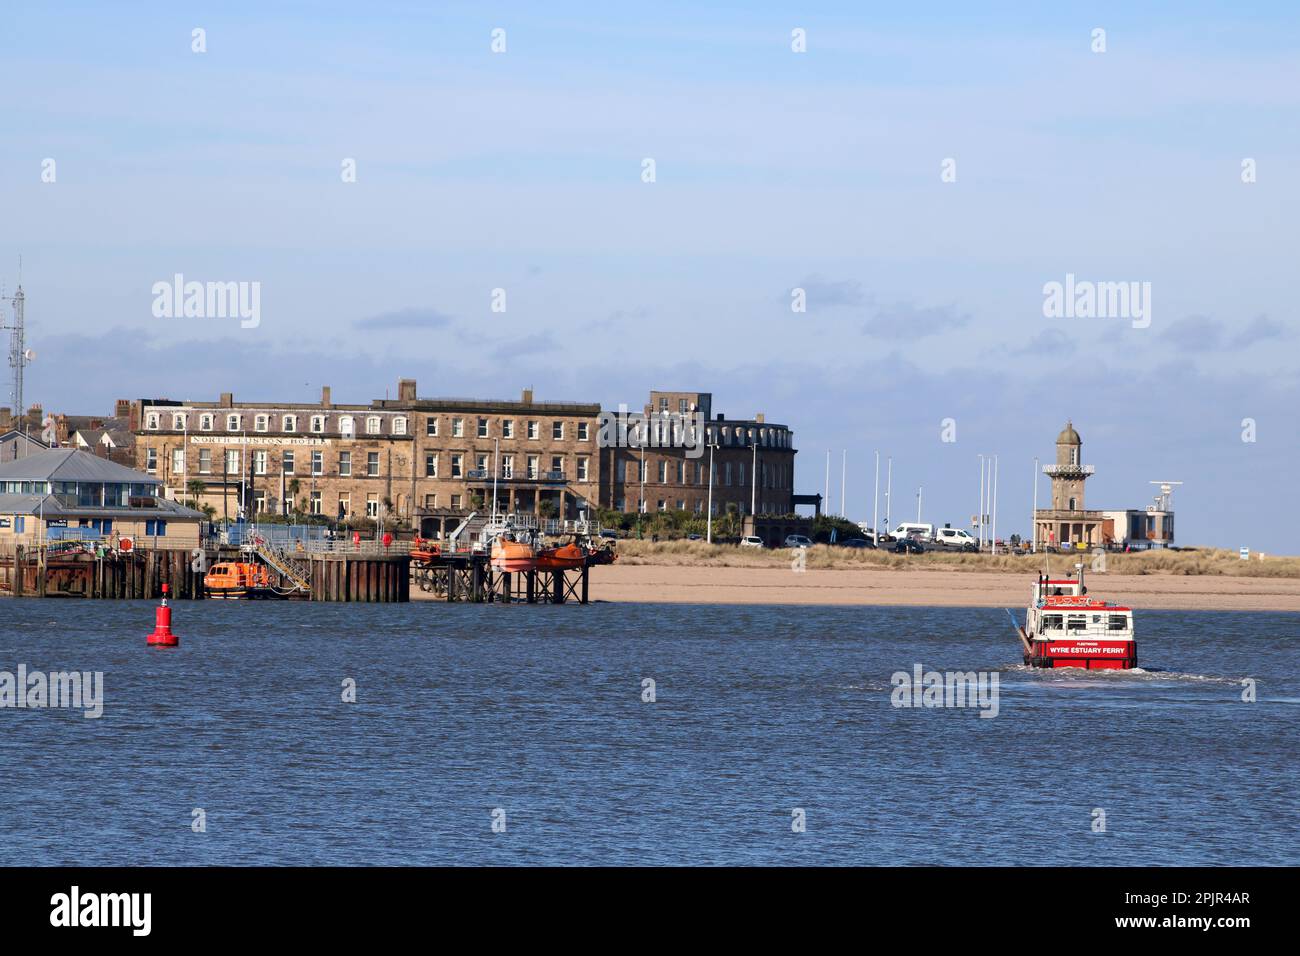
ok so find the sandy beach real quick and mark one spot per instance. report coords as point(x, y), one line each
point(936, 588)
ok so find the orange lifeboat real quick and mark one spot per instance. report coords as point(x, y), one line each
point(511, 556)
point(232, 580)
point(567, 557)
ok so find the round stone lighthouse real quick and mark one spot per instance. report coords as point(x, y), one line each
point(1067, 523)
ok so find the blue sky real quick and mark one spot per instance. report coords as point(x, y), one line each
point(774, 170)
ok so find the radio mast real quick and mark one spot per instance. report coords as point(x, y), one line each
point(19, 354)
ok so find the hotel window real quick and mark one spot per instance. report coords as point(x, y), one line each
point(345, 506)
point(259, 501)
point(458, 428)
point(741, 468)
point(151, 420)
point(480, 462)
point(318, 463)
point(663, 505)
point(699, 472)
point(372, 506)
point(233, 462)
point(557, 431)
point(259, 423)
point(681, 504)
point(727, 472)
point(178, 461)
point(508, 428)
point(315, 503)
point(533, 464)
point(205, 461)
point(399, 426)
point(584, 465)
point(431, 427)
point(457, 466)
point(620, 470)
point(455, 502)
point(232, 423)
point(681, 472)
point(286, 462)
point(681, 406)
point(557, 464)
point(663, 472)
point(178, 423)
point(345, 464)
point(372, 425)
point(289, 423)
point(532, 430)
point(347, 428)
point(151, 460)
point(372, 463)
point(318, 423)
point(583, 431)
point(663, 404)
point(508, 466)
point(431, 501)
point(259, 462)
point(482, 428)
point(205, 422)
point(430, 465)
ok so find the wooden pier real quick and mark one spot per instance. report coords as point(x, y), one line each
point(367, 577)
point(469, 576)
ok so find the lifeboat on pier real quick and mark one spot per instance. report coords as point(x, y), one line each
point(235, 580)
point(1064, 627)
point(511, 556)
point(568, 557)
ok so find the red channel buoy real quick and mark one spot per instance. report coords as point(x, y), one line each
point(162, 635)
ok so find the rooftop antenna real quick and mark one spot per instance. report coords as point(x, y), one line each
point(1165, 500)
point(19, 354)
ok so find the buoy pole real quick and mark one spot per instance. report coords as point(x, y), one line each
point(162, 635)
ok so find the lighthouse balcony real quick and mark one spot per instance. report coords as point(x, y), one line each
point(1068, 471)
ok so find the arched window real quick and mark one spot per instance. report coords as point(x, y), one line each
point(346, 426)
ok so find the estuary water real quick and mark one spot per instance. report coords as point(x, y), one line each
point(525, 735)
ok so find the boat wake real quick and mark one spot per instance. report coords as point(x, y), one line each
point(1082, 677)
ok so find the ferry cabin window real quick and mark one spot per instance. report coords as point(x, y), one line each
point(1118, 622)
point(1077, 622)
point(1052, 622)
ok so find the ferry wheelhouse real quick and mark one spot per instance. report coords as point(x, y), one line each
point(1064, 627)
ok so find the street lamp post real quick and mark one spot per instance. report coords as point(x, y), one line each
point(1034, 517)
point(709, 529)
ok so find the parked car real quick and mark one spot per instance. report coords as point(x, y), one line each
point(608, 533)
point(695, 537)
point(908, 545)
point(797, 541)
point(751, 541)
point(857, 543)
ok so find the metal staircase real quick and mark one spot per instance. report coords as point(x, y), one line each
point(297, 573)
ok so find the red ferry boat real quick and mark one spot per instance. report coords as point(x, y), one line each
point(1066, 628)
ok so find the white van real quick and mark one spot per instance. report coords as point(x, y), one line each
point(923, 531)
point(954, 538)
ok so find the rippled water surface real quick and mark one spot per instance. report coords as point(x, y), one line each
point(537, 711)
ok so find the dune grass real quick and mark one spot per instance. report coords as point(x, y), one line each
point(1207, 561)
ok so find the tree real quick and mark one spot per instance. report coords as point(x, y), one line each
point(196, 487)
